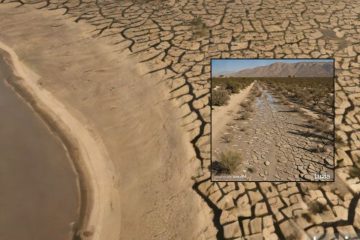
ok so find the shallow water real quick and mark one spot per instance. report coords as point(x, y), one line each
point(38, 186)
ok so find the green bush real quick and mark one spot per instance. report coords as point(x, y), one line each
point(219, 97)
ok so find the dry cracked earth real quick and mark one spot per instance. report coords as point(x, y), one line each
point(178, 39)
point(276, 142)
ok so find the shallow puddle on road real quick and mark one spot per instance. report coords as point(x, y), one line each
point(38, 186)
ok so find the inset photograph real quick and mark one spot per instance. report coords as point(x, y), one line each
point(272, 120)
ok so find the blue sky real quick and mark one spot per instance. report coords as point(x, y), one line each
point(221, 66)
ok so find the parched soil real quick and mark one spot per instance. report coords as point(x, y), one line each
point(177, 39)
point(276, 143)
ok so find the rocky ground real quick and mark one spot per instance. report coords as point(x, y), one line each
point(276, 142)
point(178, 39)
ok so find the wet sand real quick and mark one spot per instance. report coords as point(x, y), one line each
point(38, 185)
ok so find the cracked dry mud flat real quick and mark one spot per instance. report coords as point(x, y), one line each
point(164, 35)
point(276, 143)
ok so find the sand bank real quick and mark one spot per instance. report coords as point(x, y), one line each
point(35, 176)
point(86, 150)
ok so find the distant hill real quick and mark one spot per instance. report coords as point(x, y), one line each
point(280, 69)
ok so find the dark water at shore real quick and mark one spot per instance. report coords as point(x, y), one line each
point(38, 189)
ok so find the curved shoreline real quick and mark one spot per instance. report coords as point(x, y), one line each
point(88, 155)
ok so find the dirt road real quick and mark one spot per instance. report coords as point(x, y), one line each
point(277, 143)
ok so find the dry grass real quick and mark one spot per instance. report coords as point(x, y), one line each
point(250, 169)
point(311, 121)
point(219, 97)
point(244, 116)
point(199, 28)
point(292, 236)
point(259, 94)
point(321, 148)
point(323, 118)
point(307, 217)
point(339, 140)
point(284, 100)
point(249, 108)
point(319, 125)
point(354, 172)
point(227, 138)
point(245, 104)
point(246, 109)
point(322, 126)
point(251, 98)
point(255, 92)
point(297, 108)
point(230, 160)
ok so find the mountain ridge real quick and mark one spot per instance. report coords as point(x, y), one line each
point(281, 69)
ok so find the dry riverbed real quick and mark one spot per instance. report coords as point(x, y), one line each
point(275, 142)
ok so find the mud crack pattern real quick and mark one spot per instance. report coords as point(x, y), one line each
point(178, 39)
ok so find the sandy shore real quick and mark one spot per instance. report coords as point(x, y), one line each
point(136, 159)
point(28, 168)
point(85, 149)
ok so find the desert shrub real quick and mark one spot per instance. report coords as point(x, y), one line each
point(297, 108)
point(306, 216)
point(249, 108)
point(339, 140)
point(316, 207)
point(292, 236)
point(245, 104)
point(354, 172)
point(244, 116)
point(230, 160)
point(234, 81)
point(232, 86)
point(321, 148)
point(323, 118)
point(286, 103)
point(311, 121)
point(251, 98)
point(219, 97)
point(227, 138)
point(199, 28)
point(258, 93)
point(251, 169)
point(340, 162)
point(246, 108)
point(320, 125)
